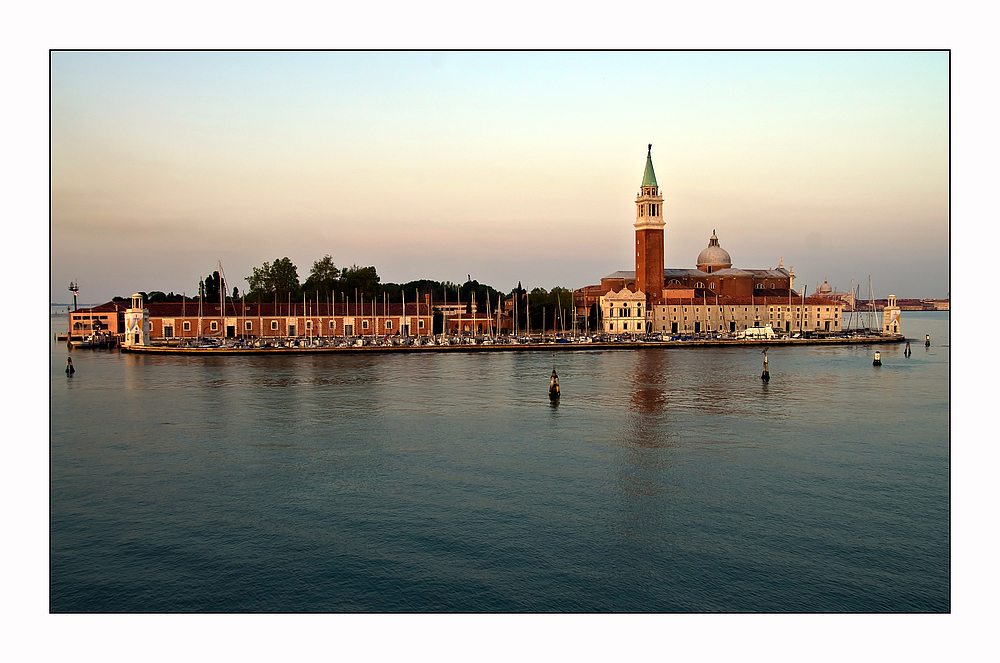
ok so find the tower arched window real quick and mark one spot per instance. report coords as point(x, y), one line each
point(711, 286)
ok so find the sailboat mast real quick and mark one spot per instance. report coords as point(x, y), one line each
point(527, 314)
point(222, 306)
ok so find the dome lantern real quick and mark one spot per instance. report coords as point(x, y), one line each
point(713, 257)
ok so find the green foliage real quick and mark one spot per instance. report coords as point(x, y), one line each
point(278, 280)
point(323, 280)
point(213, 287)
point(362, 280)
point(547, 305)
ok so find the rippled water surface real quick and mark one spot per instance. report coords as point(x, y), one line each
point(664, 480)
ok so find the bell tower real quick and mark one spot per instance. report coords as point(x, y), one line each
point(649, 234)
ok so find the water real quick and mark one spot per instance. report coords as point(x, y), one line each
point(664, 480)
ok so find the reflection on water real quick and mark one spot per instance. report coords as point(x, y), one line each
point(663, 480)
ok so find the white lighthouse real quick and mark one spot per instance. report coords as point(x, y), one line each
point(890, 317)
point(136, 323)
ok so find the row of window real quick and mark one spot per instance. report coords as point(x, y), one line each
point(214, 325)
point(649, 209)
point(711, 286)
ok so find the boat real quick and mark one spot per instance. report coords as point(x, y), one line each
point(757, 333)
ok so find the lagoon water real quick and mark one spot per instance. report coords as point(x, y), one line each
point(664, 480)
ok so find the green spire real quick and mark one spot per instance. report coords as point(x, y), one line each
point(649, 177)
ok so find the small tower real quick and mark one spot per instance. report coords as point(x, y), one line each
point(890, 317)
point(649, 235)
point(75, 289)
point(136, 323)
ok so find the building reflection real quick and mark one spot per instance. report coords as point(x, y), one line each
point(648, 437)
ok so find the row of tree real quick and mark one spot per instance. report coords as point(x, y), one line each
point(279, 281)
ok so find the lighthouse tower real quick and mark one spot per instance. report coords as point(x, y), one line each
point(649, 235)
point(890, 317)
point(136, 323)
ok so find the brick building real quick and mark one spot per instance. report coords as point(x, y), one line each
point(713, 279)
point(182, 320)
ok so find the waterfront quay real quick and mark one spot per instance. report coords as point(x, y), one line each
point(515, 347)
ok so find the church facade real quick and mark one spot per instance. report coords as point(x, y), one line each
point(714, 286)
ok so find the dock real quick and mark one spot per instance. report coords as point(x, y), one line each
point(514, 347)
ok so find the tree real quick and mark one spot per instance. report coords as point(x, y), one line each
point(363, 279)
point(259, 281)
point(213, 287)
point(323, 278)
point(285, 277)
point(280, 279)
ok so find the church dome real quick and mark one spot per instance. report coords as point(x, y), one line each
point(714, 256)
point(825, 288)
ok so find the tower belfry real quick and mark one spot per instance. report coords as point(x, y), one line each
point(649, 234)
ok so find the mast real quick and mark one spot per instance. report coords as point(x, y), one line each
point(871, 306)
point(558, 312)
point(527, 314)
point(517, 293)
point(222, 305)
point(201, 290)
point(805, 289)
point(851, 319)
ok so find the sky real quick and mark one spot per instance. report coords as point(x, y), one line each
point(506, 166)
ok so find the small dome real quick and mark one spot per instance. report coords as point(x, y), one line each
point(714, 256)
point(825, 288)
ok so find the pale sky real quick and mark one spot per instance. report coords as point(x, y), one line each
point(509, 166)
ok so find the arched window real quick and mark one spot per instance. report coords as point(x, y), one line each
point(711, 286)
point(699, 284)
